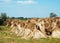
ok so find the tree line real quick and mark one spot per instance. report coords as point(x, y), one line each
point(3, 17)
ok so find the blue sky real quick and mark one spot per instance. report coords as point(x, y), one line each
point(30, 8)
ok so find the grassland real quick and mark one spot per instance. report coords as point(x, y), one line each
point(7, 37)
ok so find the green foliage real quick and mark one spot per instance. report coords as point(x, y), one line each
point(13, 18)
point(21, 18)
point(3, 16)
point(1, 21)
point(53, 15)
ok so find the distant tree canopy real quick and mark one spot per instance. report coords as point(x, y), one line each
point(1, 21)
point(3, 16)
point(53, 15)
point(22, 18)
point(13, 18)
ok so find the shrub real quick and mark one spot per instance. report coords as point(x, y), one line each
point(1, 21)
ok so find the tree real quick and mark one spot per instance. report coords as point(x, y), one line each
point(22, 18)
point(3, 16)
point(13, 18)
point(1, 21)
point(53, 15)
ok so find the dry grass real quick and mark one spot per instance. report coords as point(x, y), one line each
point(7, 37)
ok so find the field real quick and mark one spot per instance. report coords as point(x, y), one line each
point(7, 37)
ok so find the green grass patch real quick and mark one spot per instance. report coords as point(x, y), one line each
point(19, 40)
point(7, 37)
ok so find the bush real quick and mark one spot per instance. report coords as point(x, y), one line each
point(1, 21)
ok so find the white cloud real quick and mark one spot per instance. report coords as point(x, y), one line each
point(27, 2)
point(7, 1)
point(20, 1)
